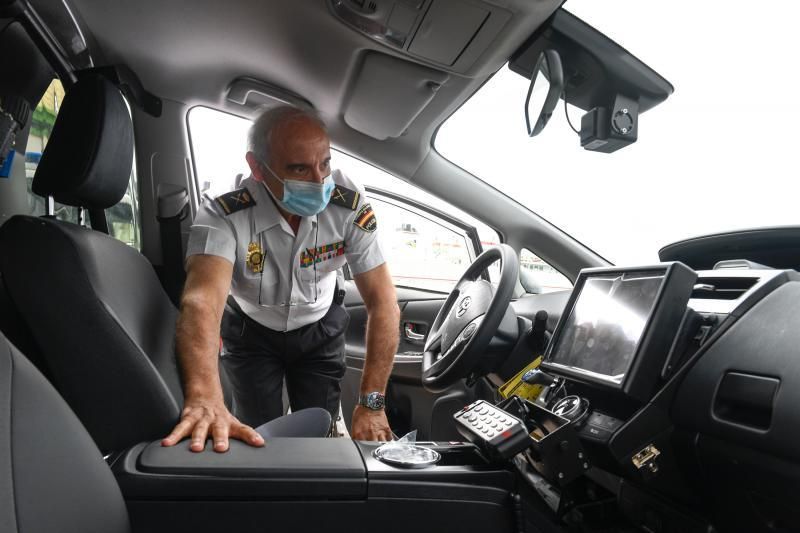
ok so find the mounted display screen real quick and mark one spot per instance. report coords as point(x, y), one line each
point(606, 324)
point(618, 318)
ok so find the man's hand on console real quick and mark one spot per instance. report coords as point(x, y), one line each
point(370, 425)
point(201, 416)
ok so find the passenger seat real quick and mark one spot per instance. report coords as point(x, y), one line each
point(52, 476)
point(95, 308)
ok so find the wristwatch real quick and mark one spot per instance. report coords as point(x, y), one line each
point(372, 400)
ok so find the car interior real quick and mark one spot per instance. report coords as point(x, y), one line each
point(655, 398)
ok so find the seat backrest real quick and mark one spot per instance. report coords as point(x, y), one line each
point(97, 312)
point(52, 476)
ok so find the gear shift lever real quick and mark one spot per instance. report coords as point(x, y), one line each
point(538, 336)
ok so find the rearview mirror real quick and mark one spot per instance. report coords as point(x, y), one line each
point(547, 84)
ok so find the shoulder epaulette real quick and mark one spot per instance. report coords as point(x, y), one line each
point(234, 201)
point(344, 197)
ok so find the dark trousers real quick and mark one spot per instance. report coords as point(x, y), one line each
point(257, 359)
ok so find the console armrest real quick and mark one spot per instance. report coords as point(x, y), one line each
point(284, 467)
point(278, 458)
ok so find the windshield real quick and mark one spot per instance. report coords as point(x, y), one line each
point(717, 155)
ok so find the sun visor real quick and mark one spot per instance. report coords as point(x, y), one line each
point(388, 94)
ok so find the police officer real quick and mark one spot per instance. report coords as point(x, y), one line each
point(275, 245)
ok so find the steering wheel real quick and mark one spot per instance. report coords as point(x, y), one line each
point(468, 320)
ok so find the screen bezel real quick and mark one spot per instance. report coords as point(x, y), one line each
point(660, 327)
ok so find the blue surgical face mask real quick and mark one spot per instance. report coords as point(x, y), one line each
point(304, 198)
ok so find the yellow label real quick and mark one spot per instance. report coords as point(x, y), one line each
point(516, 387)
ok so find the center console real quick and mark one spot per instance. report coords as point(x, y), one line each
point(312, 485)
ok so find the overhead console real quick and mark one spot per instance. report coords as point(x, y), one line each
point(449, 34)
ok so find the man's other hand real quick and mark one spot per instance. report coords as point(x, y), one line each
point(201, 418)
point(370, 425)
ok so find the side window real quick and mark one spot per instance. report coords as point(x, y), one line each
point(538, 277)
point(42, 121)
point(123, 218)
point(422, 252)
point(219, 145)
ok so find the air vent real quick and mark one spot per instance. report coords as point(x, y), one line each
point(722, 288)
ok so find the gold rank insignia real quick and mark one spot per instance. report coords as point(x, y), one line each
point(234, 201)
point(255, 257)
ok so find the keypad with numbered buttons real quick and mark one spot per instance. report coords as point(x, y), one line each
point(492, 428)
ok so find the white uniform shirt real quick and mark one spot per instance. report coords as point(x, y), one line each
point(299, 271)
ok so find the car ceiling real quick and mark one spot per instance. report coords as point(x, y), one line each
point(191, 50)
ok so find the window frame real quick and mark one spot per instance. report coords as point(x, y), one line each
point(450, 222)
point(524, 249)
point(470, 231)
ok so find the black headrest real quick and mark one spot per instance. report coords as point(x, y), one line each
point(26, 73)
point(88, 159)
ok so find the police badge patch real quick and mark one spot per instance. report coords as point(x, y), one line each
point(255, 257)
point(365, 219)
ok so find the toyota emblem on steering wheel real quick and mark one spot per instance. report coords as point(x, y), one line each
point(463, 306)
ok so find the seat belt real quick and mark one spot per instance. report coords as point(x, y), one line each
point(173, 208)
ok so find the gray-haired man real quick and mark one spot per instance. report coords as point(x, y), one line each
point(275, 245)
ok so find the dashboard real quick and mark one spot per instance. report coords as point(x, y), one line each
point(670, 396)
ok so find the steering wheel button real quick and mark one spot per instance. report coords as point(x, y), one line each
point(469, 330)
point(507, 423)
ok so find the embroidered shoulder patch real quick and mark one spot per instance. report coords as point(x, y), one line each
point(234, 201)
point(365, 219)
point(344, 197)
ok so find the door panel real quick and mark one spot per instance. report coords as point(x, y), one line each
point(427, 249)
point(410, 406)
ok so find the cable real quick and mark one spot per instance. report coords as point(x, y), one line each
point(316, 252)
point(566, 112)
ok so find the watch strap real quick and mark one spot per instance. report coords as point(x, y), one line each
point(372, 400)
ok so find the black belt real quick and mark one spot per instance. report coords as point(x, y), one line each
point(234, 307)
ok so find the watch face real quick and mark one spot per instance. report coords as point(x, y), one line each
point(375, 400)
